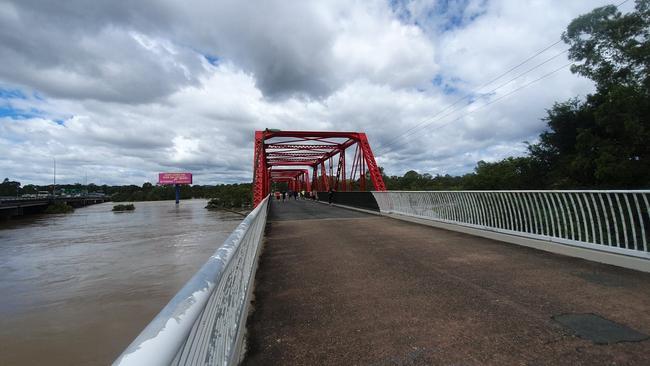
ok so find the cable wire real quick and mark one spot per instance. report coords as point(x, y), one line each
point(502, 97)
point(427, 121)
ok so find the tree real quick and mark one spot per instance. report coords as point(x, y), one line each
point(611, 48)
point(509, 173)
point(9, 188)
point(602, 142)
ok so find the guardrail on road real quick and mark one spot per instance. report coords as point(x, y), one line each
point(613, 221)
point(205, 322)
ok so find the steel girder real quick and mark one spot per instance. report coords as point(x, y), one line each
point(322, 152)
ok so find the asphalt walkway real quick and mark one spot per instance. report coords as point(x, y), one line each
point(339, 287)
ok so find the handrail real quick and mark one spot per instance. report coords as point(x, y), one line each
point(204, 322)
point(615, 221)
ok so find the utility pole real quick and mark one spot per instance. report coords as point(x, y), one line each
point(54, 185)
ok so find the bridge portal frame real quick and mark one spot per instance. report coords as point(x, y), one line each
point(323, 152)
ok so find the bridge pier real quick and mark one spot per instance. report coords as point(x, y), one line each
point(21, 207)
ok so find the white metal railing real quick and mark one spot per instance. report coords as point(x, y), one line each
point(615, 221)
point(204, 322)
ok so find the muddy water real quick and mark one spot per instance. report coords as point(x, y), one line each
point(75, 289)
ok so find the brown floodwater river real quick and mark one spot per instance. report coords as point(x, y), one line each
point(76, 289)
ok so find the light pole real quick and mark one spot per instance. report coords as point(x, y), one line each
point(54, 184)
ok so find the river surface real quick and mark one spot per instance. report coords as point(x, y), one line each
point(76, 289)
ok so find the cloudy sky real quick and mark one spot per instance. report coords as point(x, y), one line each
point(120, 90)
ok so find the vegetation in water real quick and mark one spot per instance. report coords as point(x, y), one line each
point(58, 208)
point(121, 207)
point(231, 196)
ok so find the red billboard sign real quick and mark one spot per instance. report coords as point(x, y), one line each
point(174, 178)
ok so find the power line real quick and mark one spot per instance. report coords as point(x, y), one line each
point(468, 95)
point(433, 118)
point(428, 120)
point(501, 97)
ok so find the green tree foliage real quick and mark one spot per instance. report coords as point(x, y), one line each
point(602, 142)
point(611, 48)
point(9, 188)
point(414, 181)
point(509, 173)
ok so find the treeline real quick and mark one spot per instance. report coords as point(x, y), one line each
point(227, 195)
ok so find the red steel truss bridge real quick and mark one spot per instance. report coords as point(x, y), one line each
point(290, 156)
point(410, 277)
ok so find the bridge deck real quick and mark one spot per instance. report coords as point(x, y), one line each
point(339, 287)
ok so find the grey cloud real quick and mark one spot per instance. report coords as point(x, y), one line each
point(71, 52)
point(82, 49)
point(132, 111)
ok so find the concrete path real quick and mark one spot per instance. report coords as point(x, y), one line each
point(338, 287)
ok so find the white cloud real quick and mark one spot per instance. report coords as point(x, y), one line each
point(137, 96)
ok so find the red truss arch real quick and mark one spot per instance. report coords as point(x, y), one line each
point(289, 156)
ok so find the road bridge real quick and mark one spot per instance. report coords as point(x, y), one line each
point(410, 278)
point(10, 207)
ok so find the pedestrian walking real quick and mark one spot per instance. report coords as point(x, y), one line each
point(284, 195)
point(330, 196)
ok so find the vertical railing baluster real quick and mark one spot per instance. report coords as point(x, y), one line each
point(466, 213)
point(611, 208)
point(606, 217)
point(461, 207)
point(444, 206)
point(521, 221)
point(494, 210)
point(620, 211)
point(472, 206)
point(528, 214)
point(547, 211)
point(530, 210)
point(503, 212)
point(632, 225)
point(481, 203)
point(645, 200)
point(562, 226)
point(436, 204)
point(456, 206)
point(510, 211)
point(584, 218)
point(539, 215)
point(600, 225)
point(507, 218)
point(591, 218)
point(573, 216)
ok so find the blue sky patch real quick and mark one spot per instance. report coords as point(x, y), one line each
point(213, 60)
point(11, 94)
point(443, 15)
point(14, 113)
point(439, 82)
